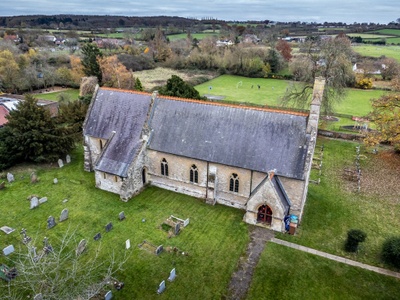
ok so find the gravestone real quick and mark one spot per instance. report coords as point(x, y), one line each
point(68, 159)
point(177, 228)
point(51, 222)
point(127, 244)
point(2, 185)
point(34, 177)
point(161, 287)
point(186, 222)
point(159, 250)
point(26, 239)
point(65, 201)
point(109, 226)
point(42, 200)
point(97, 236)
point(6, 229)
point(34, 202)
point(108, 296)
point(10, 177)
point(81, 247)
point(121, 216)
point(8, 250)
point(38, 297)
point(60, 163)
point(64, 215)
point(55, 180)
point(47, 247)
point(35, 256)
point(172, 275)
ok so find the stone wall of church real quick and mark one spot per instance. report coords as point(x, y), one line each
point(294, 189)
point(108, 182)
point(95, 145)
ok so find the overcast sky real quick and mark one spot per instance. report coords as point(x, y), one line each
point(348, 11)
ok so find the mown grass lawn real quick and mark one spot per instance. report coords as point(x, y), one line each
point(378, 51)
point(334, 206)
point(72, 94)
point(285, 273)
point(244, 89)
point(214, 239)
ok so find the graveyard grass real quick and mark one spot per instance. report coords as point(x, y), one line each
point(214, 240)
point(239, 89)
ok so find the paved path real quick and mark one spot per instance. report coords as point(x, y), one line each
point(242, 277)
point(336, 258)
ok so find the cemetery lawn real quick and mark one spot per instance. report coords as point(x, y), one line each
point(213, 241)
point(71, 94)
point(334, 207)
point(239, 89)
point(300, 275)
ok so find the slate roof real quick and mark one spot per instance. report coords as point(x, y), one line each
point(253, 139)
point(281, 193)
point(122, 112)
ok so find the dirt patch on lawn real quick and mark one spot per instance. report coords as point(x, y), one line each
point(151, 79)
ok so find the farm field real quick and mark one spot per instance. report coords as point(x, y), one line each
point(199, 36)
point(378, 51)
point(239, 89)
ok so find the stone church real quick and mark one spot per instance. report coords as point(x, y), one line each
point(252, 158)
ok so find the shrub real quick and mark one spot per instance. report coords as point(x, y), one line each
point(391, 251)
point(365, 84)
point(354, 237)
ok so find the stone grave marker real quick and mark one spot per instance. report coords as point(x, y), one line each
point(26, 239)
point(108, 296)
point(172, 275)
point(64, 215)
point(34, 202)
point(2, 185)
point(6, 229)
point(177, 228)
point(161, 287)
point(65, 201)
point(38, 297)
point(51, 222)
point(68, 159)
point(60, 163)
point(34, 177)
point(81, 247)
point(55, 180)
point(8, 250)
point(109, 226)
point(42, 200)
point(97, 236)
point(47, 247)
point(186, 222)
point(10, 177)
point(121, 216)
point(127, 244)
point(159, 250)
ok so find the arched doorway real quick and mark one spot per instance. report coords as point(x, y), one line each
point(144, 175)
point(264, 214)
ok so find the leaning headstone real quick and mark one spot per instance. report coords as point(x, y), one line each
point(10, 177)
point(186, 222)
point(81, 247)
point(60, 163)
point(55, 180)
point(127, 244)
point(6, 229)
point(108, 296)
point(8, 250)
point(42, 200)
point(51, 222)
point(159, 249)
point(34, 202)
point(38, 297)
point(177, 228)
point(161, 287)
point(2, 185)
point(34, 177)
point(68, 159)
point(26, 239)
point(47, 247)
point(97, 236)
point(109, 226)
point(121, 216)
point(172, 275)
point(64, 215)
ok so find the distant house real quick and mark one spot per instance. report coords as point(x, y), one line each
point(251, 158)
point(107, 43)
point(221, 43)
point(47, 38)
point(251, 38)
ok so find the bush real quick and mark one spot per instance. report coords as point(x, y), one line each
point(391, 251)
point(365, 84)
point(354, 237)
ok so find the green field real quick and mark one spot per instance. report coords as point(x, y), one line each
point(378, 51)
point(239, 89)
point(199, 36)
point(72, 94)
point(395, 32)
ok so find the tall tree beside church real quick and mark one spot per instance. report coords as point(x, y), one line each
point(328, 58)
point(90, 60)
point(31, 134)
